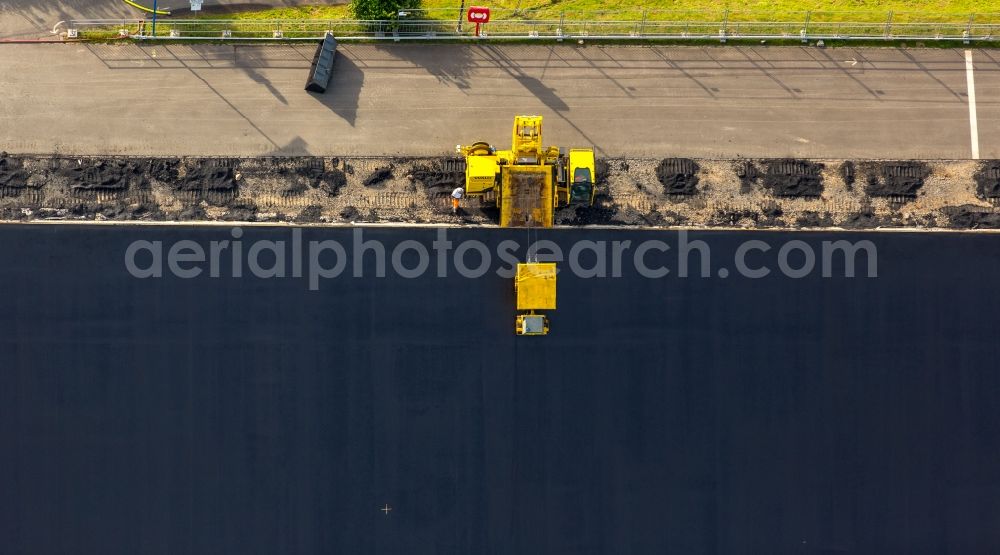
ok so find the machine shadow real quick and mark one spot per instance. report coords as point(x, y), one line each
point(450, 66)
point(454, 66)
point(343, 94)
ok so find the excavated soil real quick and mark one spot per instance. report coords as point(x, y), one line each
point(207, 179)
point(679, 176)
point(379, 176)
point(748, 174)
point(794, 178)
point(972, 217)
point(13, 177)
point(104, 175)
point(988, 179)
point(601, 169)
point(439, 178)
point(814, 219)
point(848, 174)
point(778, 193)
point(895, 179)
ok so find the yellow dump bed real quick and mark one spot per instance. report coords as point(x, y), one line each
point(535, 284)
point(526, 196)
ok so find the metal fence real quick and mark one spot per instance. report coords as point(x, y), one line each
point(648, 25)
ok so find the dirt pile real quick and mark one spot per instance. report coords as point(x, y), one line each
point(192, 213)
point(310, 214)
point(207, 178)
point(378, 176)
point(988, 179)
point(350, 213)
point(772, 210)
point(896, 179)
point(679, 176)
point(241, 210)
point(601, 169)
point(794, 178)
point(603, 212)
point(165, 170)
point(117, 211)
point(440, 178)
point(748, 173)
point(13, 176)
point(293, 187)
point(736, 218)
point(330, 180)
point(972, 217)
point(864, 218)
point(814, 219)
point(312, 169)
point(587, 215)
point(848, 174)
point(104, 175)
point(295, 179)
point(749, 193)
point(606, 211)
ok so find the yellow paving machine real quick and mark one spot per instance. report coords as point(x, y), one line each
point(528, 183)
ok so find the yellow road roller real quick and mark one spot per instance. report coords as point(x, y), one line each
point(535, 288)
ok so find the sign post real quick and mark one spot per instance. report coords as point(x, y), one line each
point(478, 15)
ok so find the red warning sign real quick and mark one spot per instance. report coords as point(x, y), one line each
point(478, 14)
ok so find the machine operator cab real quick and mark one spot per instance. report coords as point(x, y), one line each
point(581, 173)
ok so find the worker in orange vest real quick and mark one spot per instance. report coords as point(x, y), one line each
point(456, 196)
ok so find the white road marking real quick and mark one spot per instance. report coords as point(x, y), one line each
point(970, 83)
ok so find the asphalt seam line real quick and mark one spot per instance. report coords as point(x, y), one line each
point(970, 83)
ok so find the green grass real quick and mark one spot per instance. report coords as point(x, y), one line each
point(663, 17)
point(676, 10)
point(298, 12)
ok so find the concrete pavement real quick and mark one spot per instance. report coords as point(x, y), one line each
point(424, 99)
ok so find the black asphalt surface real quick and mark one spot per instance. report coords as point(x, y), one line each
point(222, 415)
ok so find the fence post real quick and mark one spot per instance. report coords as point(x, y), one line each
point(725, 25)
point(805, 29)
point(968, 30)
point(888, 26)
point(642, 26)
point(562, 24)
